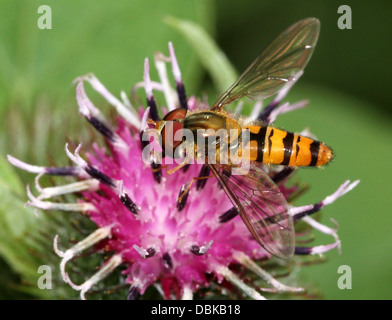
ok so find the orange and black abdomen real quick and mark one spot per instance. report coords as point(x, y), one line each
point(275, 146)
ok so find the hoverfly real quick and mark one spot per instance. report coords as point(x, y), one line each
point(261, 205)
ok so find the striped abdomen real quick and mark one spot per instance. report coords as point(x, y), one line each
point(274, 146)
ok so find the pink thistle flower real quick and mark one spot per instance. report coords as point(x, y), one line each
point(180, 247)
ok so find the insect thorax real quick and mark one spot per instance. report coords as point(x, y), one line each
point(217, 136)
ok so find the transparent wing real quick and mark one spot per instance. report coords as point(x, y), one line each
point(277, 65)
point(262, 207)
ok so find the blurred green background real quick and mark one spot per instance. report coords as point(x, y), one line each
point(348, 83)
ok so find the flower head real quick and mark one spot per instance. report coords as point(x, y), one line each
point(178, 241)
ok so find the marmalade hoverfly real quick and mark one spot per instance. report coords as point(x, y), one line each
point(261, 205)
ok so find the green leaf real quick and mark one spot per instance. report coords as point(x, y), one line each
point(110, 39)
point(8, 178)
point(213, 59)
point(15, 222)
point(22, 245)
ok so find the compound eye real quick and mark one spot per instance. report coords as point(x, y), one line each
point(176, 114)
point(169, 131)
point(174, 123)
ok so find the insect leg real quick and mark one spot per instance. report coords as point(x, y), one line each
point(171, 171)
point(184, 191)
